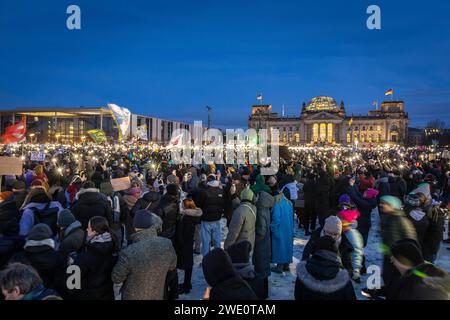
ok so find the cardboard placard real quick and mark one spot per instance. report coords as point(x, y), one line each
point(120, 184)
point(37, 156)
point(10, 166)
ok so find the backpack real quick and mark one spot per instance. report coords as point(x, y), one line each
point(48, 216)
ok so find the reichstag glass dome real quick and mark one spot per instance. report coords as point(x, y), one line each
point(322, 103)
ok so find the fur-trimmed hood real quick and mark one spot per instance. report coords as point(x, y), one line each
point(192, 212)
point(322, 286)
point(83, 191)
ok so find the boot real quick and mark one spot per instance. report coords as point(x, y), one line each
point(184, 288)
point(278, 269)
point(286, 267)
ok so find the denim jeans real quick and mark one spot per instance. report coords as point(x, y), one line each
point(355, 238)
point(210, 230)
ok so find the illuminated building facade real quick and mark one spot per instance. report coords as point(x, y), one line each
point(323, 122)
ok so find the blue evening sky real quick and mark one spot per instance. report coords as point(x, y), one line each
point(172, 58)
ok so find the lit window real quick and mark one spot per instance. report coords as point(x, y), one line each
point(315, 132)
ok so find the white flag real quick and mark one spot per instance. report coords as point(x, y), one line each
point(122, 116)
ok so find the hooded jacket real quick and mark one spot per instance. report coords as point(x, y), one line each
point(212, 202)
point(72, 239)
point(96, 263)
point(143, 265)
point(322, 278)
point(9, 218)
point(225, 283)
point(90, 203)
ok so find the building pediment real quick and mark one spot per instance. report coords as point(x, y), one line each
point(322, 116)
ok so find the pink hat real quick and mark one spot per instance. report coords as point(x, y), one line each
point(371, 193)
point(349, 215)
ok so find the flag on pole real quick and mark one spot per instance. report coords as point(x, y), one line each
point(16, 132)
point(259, 97)
point(97, 135)
point(122, 117)
point(141, 132)
point(176, 141)
point(390, 92)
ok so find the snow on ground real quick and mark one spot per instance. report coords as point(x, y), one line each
point(281, 287)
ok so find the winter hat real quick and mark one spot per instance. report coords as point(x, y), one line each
point(5, 195)
point(371, 193)
point(65, 218)
point(349, 215)
point(423, 188)
point(407, 252)
point(394, 202)
point(40, 231)
point(333, 225)
point(240, 252)
point(144, 219)
point(344, 199)
point(172, 189)
point(217, 267)
point(247, 194)
point(18, 185)
point(171, 179)
point(412, 200)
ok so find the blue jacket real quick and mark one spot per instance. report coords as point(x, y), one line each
point(282, 228)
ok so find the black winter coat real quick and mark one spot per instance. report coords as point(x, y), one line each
point(49, 263)
point(397, 187)
point(420, 222)
point(212, 203)
point(72, 239)
point(185, 238)
point(91, 203)
point(96, 263)
point(435, 286)
point(322, 280)
point(345, 249)
point(149, 201)
point(248, 274)
point(169, 211)
point(433, 237)
point(9, 218)
point(234, 288)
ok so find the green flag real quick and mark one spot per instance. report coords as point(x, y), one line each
point(97, 135)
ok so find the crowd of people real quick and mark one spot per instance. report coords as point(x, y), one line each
point(63, 214)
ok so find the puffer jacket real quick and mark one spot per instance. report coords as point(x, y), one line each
point(142, 266)
point(242, 225)
point(90, 203)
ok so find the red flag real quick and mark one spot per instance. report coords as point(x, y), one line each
point(16, 132)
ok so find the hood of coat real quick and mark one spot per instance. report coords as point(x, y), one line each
point(101, 243)
point(192, 212)
point(417, 214)
point(265, 200)
point(245, 270)
point(338, 282)
point(71, 227)
point(217, 267)
point(39, 245)
point(88, 195)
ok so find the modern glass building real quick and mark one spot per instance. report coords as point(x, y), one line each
point(71, 124)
